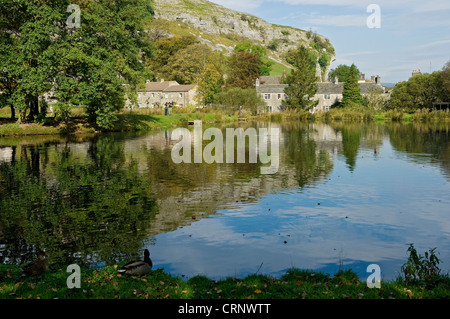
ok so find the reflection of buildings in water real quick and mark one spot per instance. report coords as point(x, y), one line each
point(327, 138)
point(6, 154)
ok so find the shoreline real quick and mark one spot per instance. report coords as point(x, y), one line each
point(107, 283)
point(137, 122)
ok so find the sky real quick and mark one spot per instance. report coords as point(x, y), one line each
point(412, 34)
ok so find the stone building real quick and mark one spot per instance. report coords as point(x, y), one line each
point(157, 94)
point(272, 91)
point(329, 93)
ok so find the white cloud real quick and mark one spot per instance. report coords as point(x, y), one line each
point(338, 21)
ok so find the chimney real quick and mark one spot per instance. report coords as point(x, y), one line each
point(372, 78)
point(336, 80)
point(257, 82)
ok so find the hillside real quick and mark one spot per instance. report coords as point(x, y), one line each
point(222, 28)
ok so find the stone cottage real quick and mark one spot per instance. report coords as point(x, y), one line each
point(328, 93)
point(272, 91)
point(157, 94)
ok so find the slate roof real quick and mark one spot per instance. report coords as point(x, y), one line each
point(271, 88)
point(268, 80)
point(159, 86)
point(331, 88)
point(179, 88)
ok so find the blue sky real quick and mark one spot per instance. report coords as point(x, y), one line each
point(414, 34)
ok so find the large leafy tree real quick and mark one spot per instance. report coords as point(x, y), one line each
point(87, 65)
point(265, 66)
point(342, 72)
point(243, 69)
point(187, 65)
point(302, 81)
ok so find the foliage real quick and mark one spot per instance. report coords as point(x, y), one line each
point(165, 48)
point(187, 65)
point(89, 64)
point(302, 81)
point(419, 268)
point(342, 72)
point(420, 91)
point(352, 92)
point(233, 98)
point(243, 69)
point(210, 82)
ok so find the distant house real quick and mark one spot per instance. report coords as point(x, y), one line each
point(157, 94)
point(328, 93)
point(272, 91)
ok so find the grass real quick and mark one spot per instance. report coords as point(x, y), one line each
point(106, 283)
point(135, 120)
point(148, 119)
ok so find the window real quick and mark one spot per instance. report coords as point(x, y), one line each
point(167, 95)
point(181, 94)
point(140, 105)
point(153, 94)
point(139, 94)
point(267, 96)
point(327, 96)
point(279, 96)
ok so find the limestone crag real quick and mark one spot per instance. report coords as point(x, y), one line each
point(213, 19)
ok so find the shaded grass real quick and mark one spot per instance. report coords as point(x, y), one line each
point(295, 284)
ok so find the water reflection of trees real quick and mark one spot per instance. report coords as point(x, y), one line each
point(100, 197)
point(423, 138)
point(78, 211)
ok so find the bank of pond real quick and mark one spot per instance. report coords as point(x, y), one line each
point(149, 119)
point(107, 283)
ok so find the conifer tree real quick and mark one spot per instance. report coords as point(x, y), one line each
point(352, 93)
point(302, 81)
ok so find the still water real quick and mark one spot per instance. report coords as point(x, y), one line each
point(345, 196)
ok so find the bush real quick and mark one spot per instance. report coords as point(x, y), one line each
point(230, 101)
point(419, 268)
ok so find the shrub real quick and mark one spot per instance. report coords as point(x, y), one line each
point(422, 269)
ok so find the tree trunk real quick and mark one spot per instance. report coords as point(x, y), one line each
point(13, 113)
point(33, 105)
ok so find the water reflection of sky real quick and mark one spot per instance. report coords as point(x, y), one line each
point(358, 217)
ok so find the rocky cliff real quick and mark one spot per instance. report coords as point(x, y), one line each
point(223, 28)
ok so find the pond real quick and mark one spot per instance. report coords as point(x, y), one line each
point(345, 196)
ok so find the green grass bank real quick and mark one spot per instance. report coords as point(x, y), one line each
point(295, 284)
point(146, 120)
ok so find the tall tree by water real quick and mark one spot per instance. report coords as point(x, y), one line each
point(86, 64)
point(352, 93)
point(302, 81)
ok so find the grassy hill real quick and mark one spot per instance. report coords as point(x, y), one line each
point(222, 28)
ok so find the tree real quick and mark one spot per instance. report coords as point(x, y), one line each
point(302, 81)
point(167, 48)
point(232, 99)
point(352, 92)
point(342, 72)
point(420, 91)
point(244, 69)
point(266, 65)
point(211, 81)
point(187, 65)
point(89, 64)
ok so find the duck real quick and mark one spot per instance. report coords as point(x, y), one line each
point(138, 267)
point(37, 267)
